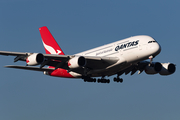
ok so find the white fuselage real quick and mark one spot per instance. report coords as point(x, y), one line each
point(123, 56)
point(130, 50)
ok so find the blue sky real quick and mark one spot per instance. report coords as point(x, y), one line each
point(77, 26)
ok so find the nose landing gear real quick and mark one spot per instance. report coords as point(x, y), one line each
point(151, 59)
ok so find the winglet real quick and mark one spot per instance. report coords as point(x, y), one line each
point(50, 44)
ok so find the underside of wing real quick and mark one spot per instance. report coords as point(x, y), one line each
point(77, 62)
point(140, 67)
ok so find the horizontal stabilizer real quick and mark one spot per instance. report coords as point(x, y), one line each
point(30, 68)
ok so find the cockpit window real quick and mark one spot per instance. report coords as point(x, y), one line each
point(151, 41)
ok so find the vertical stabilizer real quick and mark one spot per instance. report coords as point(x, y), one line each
point(50, 44)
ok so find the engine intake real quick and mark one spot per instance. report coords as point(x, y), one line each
point(35, 59)
point(77, 62)
point(154, 68)
point(167, 69)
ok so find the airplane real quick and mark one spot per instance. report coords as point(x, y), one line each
point(117, 58)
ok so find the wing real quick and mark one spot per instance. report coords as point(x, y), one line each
point(68, 62)
point(12, 53)
point(140, 67)
point(30, 68)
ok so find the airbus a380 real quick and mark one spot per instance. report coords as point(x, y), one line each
point(123, 56)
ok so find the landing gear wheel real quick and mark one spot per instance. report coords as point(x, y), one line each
point(115, 79)
point(120, 80)
point(94, 80)
point(102, 80)
point(89, 79)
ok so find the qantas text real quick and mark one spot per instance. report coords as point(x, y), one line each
point(134, 43)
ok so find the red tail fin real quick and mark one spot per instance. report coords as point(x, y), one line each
point(50, 44)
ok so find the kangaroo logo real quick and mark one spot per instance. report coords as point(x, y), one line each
point(51, 49)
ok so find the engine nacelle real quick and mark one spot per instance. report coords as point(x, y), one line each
point(167, 69)
point(35, 59)
point(154, 68)
point(77, 62)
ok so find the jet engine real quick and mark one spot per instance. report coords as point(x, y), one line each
point(35, 59)
point(77, 62)
point(153, 68)
point(167, 69)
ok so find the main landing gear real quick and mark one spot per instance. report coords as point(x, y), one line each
point(102, 80)
point(118, 79)
point(89, 79)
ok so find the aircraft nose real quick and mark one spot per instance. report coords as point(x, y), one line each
point(156, 48)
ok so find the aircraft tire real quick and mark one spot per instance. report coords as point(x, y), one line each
point(121, 80)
